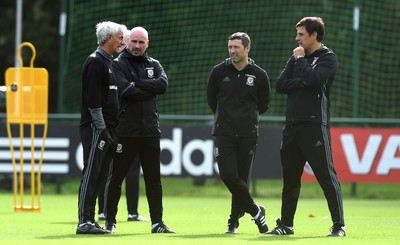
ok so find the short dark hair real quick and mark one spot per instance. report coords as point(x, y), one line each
point(313, 24)
point(241, 36)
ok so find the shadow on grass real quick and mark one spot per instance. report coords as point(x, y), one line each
point(64, 223)
point(100, 222)
point(257, 237)
point(73, 235)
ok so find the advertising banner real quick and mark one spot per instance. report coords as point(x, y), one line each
point(364, 155)
point(359, 154)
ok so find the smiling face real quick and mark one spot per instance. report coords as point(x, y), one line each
point(237, 52)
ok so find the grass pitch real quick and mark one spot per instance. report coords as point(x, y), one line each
point(201, 220)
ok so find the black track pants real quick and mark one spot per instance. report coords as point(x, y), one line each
point(132, 187)
point(235, 157)
point(97, 155)
point(148, 150)
point(310, 143)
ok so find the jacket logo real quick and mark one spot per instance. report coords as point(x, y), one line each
point(119, 148)
point(226, 79)
point(101, 144)
point(250, 80)
point(150, 72)
point(319, 143)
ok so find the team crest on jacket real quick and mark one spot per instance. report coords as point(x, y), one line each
point(101, 144)
point(250, 80)
point(150, 72)
point(119, 148)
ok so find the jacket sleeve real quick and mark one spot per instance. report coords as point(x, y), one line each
point(212, 91)
point(264, 93)
point(93, 75)
point(126, 89)
point(156, 85)
point(132, 93)
point(299, 74)
point(324, 68)
point(289, 81)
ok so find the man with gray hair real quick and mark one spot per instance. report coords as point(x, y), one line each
point(99, 116)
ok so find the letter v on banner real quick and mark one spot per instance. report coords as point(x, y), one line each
point(365, 155)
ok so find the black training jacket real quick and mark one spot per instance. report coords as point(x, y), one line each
point(237, 98)
point(307, 83)
point(99, 89)
point(140, 80)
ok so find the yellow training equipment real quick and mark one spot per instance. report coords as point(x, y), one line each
point(27, 108)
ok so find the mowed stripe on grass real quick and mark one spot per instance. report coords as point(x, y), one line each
point(201, 220)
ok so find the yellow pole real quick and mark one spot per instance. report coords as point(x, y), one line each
point(13, 163)
point(21, 164)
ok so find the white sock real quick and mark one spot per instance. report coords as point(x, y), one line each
point(154, 225)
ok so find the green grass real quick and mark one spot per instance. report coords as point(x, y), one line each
point(213, 187)
point(199, 215)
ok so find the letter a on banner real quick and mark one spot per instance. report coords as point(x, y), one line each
point(27, 110)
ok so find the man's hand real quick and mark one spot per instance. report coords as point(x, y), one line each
point(105, 135)
point(299, 51)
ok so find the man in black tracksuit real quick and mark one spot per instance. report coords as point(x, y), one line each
point(140, 79)
point(132, 180)
point(307, 79)
point(238, 91)
point(99, 117)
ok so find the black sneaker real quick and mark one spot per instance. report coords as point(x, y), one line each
point(89, 228)
point(102, 217)
point(161, 228)
point(97, 225)
point(110, 227)
point(260, 221)
point(137, 217)
point(280, 229)
point(337, 230)
point(232, 226)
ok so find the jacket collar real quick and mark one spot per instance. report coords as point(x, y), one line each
point(228, 62)
point(126, 54)
point(104, 53)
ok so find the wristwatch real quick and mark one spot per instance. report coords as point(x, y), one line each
point(300, 56)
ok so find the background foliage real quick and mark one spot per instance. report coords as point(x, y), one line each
point(40, 27)
point(189, 38)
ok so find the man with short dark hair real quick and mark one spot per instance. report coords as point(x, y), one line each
point(238, 91)
point(307, 79)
